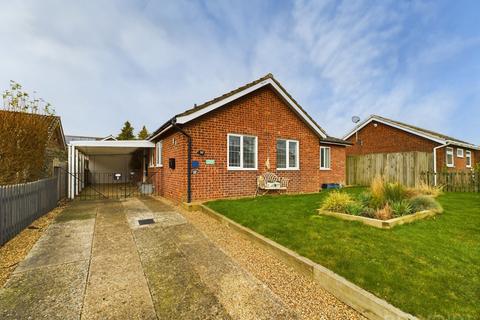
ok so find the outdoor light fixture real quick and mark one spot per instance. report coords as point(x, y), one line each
point(201, 152)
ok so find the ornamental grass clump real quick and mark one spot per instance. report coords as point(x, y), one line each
point(423, 188)
point(401, 208)
point(421, 203)
point(337, 201)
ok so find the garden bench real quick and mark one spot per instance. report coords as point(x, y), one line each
point(270, 181)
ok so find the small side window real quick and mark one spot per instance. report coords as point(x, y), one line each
point(449, 155)
point(459, 153)
point(468, 158)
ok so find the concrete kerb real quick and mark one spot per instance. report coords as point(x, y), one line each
point(381, 224)
point(359, 299)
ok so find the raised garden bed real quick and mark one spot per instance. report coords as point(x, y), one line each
point(384, 205)
point(382, 224)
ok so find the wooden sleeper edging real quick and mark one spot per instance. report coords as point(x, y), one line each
point(382, 224)
point(359, 299)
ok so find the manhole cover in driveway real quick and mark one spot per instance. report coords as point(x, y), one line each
point(145, 221)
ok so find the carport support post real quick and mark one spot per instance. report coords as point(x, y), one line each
point(69, 170)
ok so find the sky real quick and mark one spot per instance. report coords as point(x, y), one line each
point(102, 62)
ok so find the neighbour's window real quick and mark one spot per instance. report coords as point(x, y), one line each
point(287, 154)
point(324, 158)
point(151, 161)
point(468, 158)
point(158, 154)
point(459, 153)
point(242, 152)
point(449, 152)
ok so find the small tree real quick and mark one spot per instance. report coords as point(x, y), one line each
point(127, 132)
point(143, 134)
point(26, 128)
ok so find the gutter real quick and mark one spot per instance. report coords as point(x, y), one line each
point(173, 123)
point(435, 160)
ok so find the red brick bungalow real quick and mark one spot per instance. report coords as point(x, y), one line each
point(381, 135)
point(236, 137)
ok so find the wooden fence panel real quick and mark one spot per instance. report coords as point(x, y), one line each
point(23, 203)
point(403, 167)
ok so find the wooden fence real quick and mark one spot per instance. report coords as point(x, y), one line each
point(403, 167)
point(462, 181)
point(23, 203)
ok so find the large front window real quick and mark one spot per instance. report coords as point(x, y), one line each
point(287, 154)
point(242, 152)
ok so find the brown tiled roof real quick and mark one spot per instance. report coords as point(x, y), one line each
point(244, 87)
point(433, 134)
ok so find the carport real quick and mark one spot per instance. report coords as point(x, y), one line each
point(107, 168)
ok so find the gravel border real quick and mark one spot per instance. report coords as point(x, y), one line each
point(16, 249)
point(303, 295)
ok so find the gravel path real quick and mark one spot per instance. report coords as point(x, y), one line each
point(304, 296)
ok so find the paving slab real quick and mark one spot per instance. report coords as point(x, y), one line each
point(116, 287)
point(53, 292)
point(50, 282)
point(239, 293)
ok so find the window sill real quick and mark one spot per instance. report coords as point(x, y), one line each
point(242, 169)
point(159, 166)
point(325, 169)
point(288, 169)
point(453, 166)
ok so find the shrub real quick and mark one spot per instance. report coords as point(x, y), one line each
point(420, 203)
point(368, 212)
point(354, 208)
point(394, 192)
point(337, 201)
point(365, 198)
point(401, 208)
point(385, 213)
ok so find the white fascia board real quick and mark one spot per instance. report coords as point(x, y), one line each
point(358, 128)
point(464, 145)
point(194, 115)
point(114, 144)
point(161, 132)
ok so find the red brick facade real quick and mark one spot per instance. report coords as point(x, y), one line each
point(377, 137)
point(263, 114)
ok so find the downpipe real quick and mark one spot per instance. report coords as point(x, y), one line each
point(173, 122)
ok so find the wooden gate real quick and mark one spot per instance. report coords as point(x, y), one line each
point(403, 167)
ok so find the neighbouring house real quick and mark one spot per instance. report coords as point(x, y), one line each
point(379, 135)
point(31, 146)
point(218, 149)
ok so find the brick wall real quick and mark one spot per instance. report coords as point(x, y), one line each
point(265, 115)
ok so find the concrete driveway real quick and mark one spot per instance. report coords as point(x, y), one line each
point(97, 262)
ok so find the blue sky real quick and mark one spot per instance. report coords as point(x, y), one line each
point(103, 62)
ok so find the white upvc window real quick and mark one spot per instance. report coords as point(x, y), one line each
point(158, 154)
point(242, 152)
point(468, 158)
point(288, 154)
point(449, 157)
point(151, 161)
point(325, 159)
point(459, 153)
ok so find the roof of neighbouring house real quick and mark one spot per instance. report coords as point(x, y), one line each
point(70, 138)
point(428, 134)
point(226, 98)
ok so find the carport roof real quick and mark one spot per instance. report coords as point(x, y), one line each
point(111, 147)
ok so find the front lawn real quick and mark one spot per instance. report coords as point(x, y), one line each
point(427, 268)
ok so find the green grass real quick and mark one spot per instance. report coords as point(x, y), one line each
point(430, 267)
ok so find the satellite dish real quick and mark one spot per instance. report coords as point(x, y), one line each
point(355, 119)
